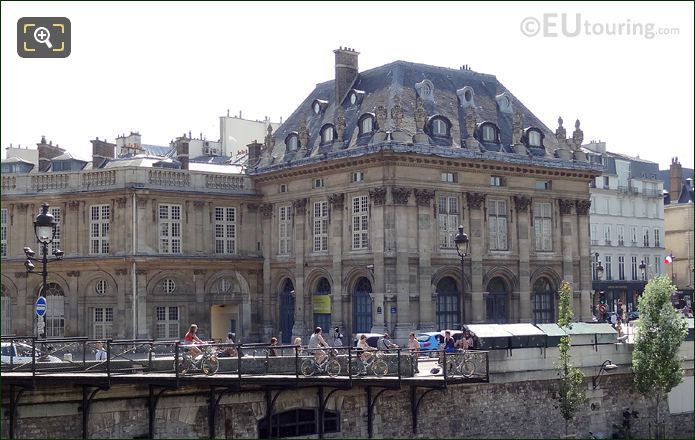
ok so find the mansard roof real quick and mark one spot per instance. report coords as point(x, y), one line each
point(400, 82)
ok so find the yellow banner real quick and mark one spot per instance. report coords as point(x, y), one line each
point(322, 304)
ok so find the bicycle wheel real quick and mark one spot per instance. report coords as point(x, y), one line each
point(307, 367)
point(451, 366)
point(380, 367)
point(355, 366)
point(333, 368)
point(468, 366)
point(210, 365)
point(182, 364)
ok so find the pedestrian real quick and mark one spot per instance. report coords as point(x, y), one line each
point(337, 338)
point(414, 348)
point(273, 344)
point(298, 344)
point(101, 353)
point(448, 345)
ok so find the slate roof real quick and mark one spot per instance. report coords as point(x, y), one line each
point(665, 175)
point(398, 79)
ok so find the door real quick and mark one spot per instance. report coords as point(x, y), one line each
point(287, 311)
point(362, 307)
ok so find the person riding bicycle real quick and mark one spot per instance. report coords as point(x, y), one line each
point(384, 343)
point(316, 341)
point(364, 348)
point(191, 339)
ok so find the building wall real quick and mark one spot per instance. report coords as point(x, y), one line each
point(236, 133)
point(679, 241)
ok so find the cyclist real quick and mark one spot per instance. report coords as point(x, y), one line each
point(316, 341)
point(191, 339)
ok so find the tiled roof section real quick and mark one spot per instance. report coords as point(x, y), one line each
point(398, 79)
point(665, 175)
point(159, 150)
point(15, 159)
point(686, 195)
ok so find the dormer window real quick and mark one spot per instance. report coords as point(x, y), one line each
point(327, 134)
point(534, 137)
point(366, 124)
point(489, 132)
point(355, 96)
point(318, 106)
point(292, 142)
point(440, 126)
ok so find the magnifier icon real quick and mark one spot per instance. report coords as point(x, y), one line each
point(43, 36)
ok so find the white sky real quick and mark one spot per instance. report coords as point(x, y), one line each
point(168, 67)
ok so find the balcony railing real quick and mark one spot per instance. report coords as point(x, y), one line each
point(123, 178)
point(621, 243)
point(622, 189)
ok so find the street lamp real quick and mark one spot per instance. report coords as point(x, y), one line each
point(45, 229)
point(605, 366)
point(462, 248)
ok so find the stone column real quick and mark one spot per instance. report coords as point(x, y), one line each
point(476, 235)
point(299, 205)
point(404, 236)
point(584, 240)
point(523, 223)
point(23, 316)
point(426, 238)
point(335, 247)
point(143, 331)
point(199, 228)
point(377, 199)
point(266, 220)
point(123, 313)
point(74, 301)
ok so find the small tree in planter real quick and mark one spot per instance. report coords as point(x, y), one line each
point(660, 332)
point(571, 393)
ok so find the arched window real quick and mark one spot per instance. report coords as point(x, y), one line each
point(287, 311)
point(366, 124)
point(362, 307)
point(543, 301)
point(534, 138)
point(440, 126)
point(55, 311)
point(292, 142)
point(327, 134)
point(227, 286)
point(489, 132)
point(322, 305)
point(497, 301)
point(448, 304)
point(6, 305)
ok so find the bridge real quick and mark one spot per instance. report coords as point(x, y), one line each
point(29, 363)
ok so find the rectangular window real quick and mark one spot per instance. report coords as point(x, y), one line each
point(55, 316)
point(649, 268)
point(225, 230)
point(657, 265)
point(357, 176)
point(450, 177)
point(496, 181)
point(608, 268)
point(3, 232)
point(543, 308)
point(103, 322)
point(633, 268)
point(360, 222)
point(607, 235)
point(497, 224)
point(285, 232)
point(448, 220)
point(633, 235)
point(621, 268)
point(657, 238)
point(169, 229)
point(645, 237)
point(543, 222)
point(606, 182)
point(543, 184)
point(621, 235)
point(594, 233)
point(318, 183)
point(167, 326)
point(283, 188)
point(55, 244)
point(320, 226)
point(99, 227)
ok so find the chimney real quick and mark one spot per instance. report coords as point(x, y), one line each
point(254, 149)
point(47, 152)
point(676, 173)
point(346, 72)
point(102, 152)
point(182, 152)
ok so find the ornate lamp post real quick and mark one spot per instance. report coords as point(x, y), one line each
point(45, 229)
point(462, 248)
point(605, 366)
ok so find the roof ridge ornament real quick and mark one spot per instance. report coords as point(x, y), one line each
point(517, 133)
point(302, 132)
point(340, 124)
point(397, 113)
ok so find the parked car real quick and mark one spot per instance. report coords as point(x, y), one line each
point(633, 315)
point(20, 353)
point(430, 342)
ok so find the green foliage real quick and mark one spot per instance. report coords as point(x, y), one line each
point(571, 392)
point(660, 332)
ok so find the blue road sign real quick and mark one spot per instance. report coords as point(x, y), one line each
point(40, 306)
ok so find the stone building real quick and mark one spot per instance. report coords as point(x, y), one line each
point(627, 225)
point(344, 216)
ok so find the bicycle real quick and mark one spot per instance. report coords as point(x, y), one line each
point(378, 365)
point(329, 365)
point(207, 362)
point(461, 362)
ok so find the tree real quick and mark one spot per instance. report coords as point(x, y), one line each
point(571, 394)
point(660, 332)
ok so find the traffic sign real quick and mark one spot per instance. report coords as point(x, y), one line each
point(40, 306)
